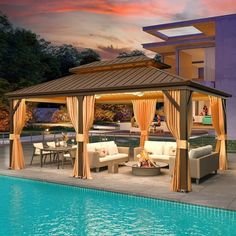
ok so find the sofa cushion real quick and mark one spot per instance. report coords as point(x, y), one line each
point(159, 157)
point(92, 146)
point(106, 144)
point(112, 149)
point(154, 147)
point(113, 157)
point(169, 148)
point(200, 151)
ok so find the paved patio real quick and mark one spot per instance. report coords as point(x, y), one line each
point(216, 191)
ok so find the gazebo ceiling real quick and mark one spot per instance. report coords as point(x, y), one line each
point(100, 78)
point(128, 97)
point(118, 98)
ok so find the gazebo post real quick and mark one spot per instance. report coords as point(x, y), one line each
point(184, 136)
point(80, 143)
point(225, 122)
point(11, 129)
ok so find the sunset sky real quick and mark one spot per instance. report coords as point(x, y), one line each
point(108, 26)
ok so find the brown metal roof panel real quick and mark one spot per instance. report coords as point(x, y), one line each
point(139, 77)
point(139, 73)
point(112, 80)
point(128, 77)
point(148, 77)
point(156, 78)
point(58, 86)
point(115, 61)
point(81, 80)
point(109, 79)
point(96, 79)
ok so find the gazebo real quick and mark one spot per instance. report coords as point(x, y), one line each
point(139, 80)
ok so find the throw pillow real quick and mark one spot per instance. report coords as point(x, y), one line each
point(112, 149)
point(102, 152)
point(172, 151)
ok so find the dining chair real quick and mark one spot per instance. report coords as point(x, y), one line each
point(71, 155)
point(37, 152)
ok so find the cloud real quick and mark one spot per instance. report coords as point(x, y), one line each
point(160, 8)
point(109, 38)
point(219, 7)
point(96, 24)
point(108, 52)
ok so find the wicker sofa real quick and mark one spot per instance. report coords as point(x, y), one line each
point(202, 162)
point(97, 161)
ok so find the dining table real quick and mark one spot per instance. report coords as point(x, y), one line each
point(57, 152)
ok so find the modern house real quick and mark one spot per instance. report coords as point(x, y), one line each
point(202, 50)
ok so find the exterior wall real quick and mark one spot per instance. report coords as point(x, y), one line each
point(226, 67)
point(170, 60)
point(185, 65)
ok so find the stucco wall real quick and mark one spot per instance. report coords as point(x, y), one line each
point(226, 67)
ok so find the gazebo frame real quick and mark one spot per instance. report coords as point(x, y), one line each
point(116, 77)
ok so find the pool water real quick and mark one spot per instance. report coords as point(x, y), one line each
point(37, 208)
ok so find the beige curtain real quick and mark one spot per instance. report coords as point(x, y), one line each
point(72, 107)
point(218, 121)
point(17, 162)
point(88, 117)
point(144, 111)
point(172, 115)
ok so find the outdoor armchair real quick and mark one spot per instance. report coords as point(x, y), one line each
point(37, 152)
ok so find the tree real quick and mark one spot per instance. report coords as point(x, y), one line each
point(67, 56)
point(88, 55)
point(60, 115)
point(158, 58)
point(131, 54)
point(27, 59)
point(5, 30)
point(4, 86)
point(4, 120)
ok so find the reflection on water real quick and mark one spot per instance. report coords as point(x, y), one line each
point(35, 208)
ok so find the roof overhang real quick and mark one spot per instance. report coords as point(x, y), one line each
point(172, 46)
point(59, 97)
point(204, 33)
point(107, 81)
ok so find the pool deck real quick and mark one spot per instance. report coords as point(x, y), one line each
point(216, 191)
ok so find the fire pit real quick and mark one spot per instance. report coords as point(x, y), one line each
point(146, 167)
point(146, 171)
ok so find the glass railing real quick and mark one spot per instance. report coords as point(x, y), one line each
point(127, 140)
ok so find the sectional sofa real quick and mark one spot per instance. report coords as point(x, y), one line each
point(158, 150)
point(103, 154)
point(203, 161)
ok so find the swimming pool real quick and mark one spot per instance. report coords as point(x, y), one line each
point(30, 207)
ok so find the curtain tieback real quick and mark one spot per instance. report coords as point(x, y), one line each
point(182, 144)
point(222, 137)
point(144, 132)
point(79, 137)
point(14, 136)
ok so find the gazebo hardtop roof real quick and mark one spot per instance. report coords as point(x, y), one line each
point(130, 74)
